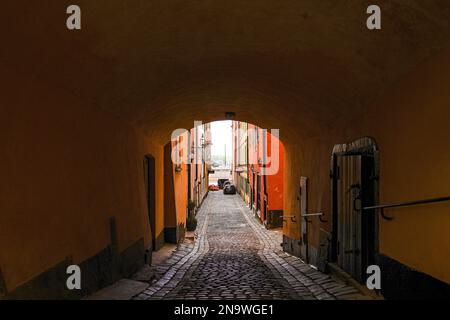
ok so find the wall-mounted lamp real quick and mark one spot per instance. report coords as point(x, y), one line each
point(230, 115)
point(202, 140)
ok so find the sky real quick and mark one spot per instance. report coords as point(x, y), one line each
point(220, 136)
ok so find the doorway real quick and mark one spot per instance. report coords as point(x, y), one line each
point(355, 186)
point(253, 193)
point(258, 195)
point(149, 178)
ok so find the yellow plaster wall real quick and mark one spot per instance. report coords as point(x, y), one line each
point(65, 170)
point(411, 125)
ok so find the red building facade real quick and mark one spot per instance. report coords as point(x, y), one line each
point(258, 169)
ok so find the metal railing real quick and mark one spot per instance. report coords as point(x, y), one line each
point(317, 214)
point(404, 204)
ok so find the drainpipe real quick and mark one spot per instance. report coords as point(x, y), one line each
point(248, 171)
point(266, 199)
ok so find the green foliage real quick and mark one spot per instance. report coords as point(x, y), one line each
point(191, 223)
point(191, 205)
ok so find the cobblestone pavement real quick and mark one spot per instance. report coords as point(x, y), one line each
point(235, 257)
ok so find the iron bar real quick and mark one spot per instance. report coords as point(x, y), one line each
point(317, 214)
point(405, 204)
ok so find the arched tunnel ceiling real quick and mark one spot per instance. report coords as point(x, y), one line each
point(162, 64)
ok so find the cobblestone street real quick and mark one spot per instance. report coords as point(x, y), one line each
point(235, 257)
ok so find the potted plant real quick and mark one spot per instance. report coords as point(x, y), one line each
point(191, 207)
point(191, 221)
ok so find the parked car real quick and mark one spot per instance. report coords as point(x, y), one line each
point(229, 189)
point(220, 182)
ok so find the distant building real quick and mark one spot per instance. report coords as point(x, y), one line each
point(185, 182)
point(240, 159)
point(200, 163)
point(263, 193)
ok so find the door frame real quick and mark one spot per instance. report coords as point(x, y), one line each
point(258, 194)
point(253, 191)
point(365, 146)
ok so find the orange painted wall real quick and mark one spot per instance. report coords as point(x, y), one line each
point(274, 183)
point(311, 158)
point(176, 188)
point(181, 187)
point(199, 172)
point(415, 164)
point(411, 124)
point(66, 168)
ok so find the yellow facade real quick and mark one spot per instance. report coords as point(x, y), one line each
point(80, 110)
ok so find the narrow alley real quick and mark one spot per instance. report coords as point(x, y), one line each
point(235, 257)
point(251, 150)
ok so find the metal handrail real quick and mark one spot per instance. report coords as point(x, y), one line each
point(317, 214)
point(312, 214)
point(404, 204)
